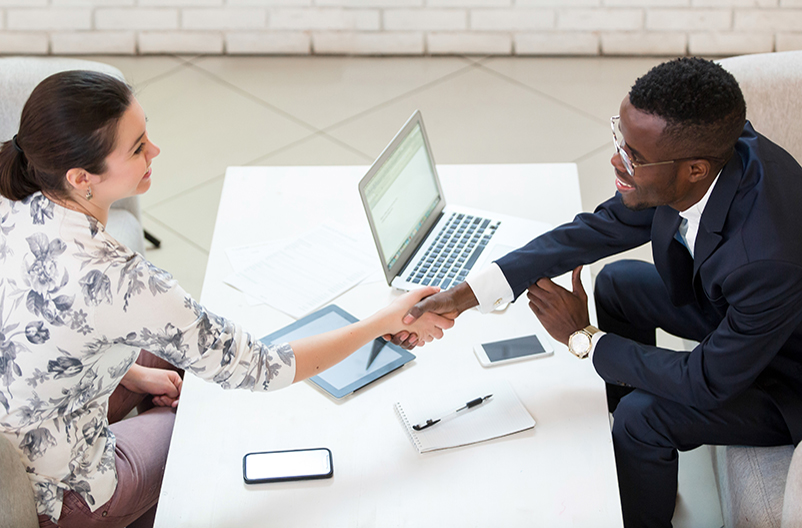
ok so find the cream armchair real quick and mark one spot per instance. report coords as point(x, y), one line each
point(762, 486)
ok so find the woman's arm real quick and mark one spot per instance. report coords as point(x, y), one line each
point(315, 354)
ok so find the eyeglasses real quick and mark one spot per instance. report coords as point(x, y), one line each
point(631, 165)
point(628, 163)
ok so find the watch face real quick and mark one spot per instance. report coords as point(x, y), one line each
point(579, 343)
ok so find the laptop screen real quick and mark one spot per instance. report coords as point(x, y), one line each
point(402, 195)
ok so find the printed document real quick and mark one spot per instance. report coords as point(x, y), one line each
point(307, 273)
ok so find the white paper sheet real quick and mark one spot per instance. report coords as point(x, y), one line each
point(242, 257)
point(307, 273)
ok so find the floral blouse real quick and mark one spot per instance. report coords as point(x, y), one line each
point(76, 308)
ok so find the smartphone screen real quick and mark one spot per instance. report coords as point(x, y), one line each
point(510, 349)
point(279, 466)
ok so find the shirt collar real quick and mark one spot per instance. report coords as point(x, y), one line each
point(693, 213)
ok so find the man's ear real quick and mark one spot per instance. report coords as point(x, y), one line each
point(699, 170)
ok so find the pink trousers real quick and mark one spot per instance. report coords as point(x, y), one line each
point(141, 453)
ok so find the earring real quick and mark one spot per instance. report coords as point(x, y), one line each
point(89, 194)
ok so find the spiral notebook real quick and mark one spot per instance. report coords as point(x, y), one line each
point(501, 415)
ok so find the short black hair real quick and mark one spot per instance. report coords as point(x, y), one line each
point(701, 103)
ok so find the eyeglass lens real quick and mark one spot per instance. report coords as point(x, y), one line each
point(619, 144)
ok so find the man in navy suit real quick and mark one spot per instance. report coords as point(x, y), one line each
point(722, 208)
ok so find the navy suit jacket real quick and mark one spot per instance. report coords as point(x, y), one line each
point(746, 276)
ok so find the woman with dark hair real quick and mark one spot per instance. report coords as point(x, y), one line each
point(89, 329)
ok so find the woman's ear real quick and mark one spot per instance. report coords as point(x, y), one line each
point(78, 180)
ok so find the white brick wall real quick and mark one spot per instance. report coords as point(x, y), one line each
point(145, 19)
point(425, 19)
point(95, 42)
point(264, 43)
point(644, 43)
point(566, 43)
point(180, 42)
point(224, 18)
point(401, 27)
point(512, 19)
point(468, 43)
point(351, 43)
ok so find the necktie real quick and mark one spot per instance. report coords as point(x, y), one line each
point(682, 231)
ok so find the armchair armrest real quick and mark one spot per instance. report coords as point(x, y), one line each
point(792, 501)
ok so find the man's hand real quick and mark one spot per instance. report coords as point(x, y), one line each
point(448, 303)
point(561, 312)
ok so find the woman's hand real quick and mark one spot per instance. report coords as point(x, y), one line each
point(163, 385)
point(427, 327)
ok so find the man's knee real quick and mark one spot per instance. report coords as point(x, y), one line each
point(618, 277)
point(640, 418)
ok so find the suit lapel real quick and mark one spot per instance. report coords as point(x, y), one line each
point(671, 258)
point(716, 211)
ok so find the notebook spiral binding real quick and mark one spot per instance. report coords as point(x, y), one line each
point(407, 426)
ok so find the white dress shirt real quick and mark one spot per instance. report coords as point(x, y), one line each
point(492, 289)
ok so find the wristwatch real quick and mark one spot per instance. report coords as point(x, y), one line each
point(580, 342)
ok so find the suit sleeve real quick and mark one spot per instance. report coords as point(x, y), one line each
point(765, 307)
point(611, 229)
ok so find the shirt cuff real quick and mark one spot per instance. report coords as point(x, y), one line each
point(490, 287)
point(594, 341)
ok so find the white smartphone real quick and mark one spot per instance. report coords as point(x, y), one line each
point(280, 466)
point(511, 350)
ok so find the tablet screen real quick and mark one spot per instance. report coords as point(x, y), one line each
point(367, 364)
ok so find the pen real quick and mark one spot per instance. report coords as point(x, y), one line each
point(378, 345)
point(471, 404)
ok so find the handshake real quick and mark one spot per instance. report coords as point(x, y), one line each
point(427, 312)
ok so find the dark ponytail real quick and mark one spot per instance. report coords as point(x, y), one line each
point(14, 180)
point(69, 121)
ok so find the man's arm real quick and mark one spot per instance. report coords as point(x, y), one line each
point(611, 229)
point(765, 309)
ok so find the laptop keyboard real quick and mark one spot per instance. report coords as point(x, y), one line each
point(453, 252)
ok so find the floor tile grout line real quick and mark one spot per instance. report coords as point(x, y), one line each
point(539, 92)
point(140, 86)
point(144, 84)
point(260, 158)
point(358, 115)
point(393, 100)
point(176, 233)
point(297, 142)
point(253, 97)
point(471, 65)
point(179, 194)
point(593, 152)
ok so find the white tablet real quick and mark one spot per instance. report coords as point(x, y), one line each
point(364, 366)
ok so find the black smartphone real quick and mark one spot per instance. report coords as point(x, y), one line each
point(280, 466)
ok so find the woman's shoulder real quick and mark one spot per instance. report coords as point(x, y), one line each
point(54, 249)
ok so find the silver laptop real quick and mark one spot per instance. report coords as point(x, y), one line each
point(421, 240)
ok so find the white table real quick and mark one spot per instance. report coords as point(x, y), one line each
point(562, 473)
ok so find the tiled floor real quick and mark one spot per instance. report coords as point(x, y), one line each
point(207, 113)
